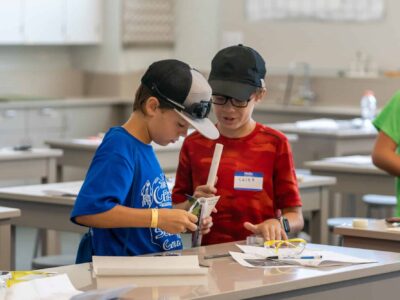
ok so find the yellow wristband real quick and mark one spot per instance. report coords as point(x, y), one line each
point(154, 218)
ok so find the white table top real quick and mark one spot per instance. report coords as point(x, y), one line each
point(8, 212)
point(347, 164)
point(337, 133)
point(310, 109)
point(377, 229)
point(7, 154)
point(47, 193)
point(92, 144)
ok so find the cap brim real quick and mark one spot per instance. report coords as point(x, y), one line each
point(205, 126)
point(237, 90)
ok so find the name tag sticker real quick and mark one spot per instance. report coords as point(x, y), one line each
point(248, 181)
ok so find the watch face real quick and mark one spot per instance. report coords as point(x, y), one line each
point(286, 226)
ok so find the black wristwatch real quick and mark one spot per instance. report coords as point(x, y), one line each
point(285, 224)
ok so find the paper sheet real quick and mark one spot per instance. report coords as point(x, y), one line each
point(105, 294)
point(211, 202)
point(55, 287)
point(329, 258)
point(68, 190)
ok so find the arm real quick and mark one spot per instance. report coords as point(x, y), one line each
point(286, 197)
point(170, 220)
point(384, 154)
point(271, 229)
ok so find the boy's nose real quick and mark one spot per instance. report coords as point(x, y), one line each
point(228, 106)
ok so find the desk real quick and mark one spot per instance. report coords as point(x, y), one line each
point(278, 113)
point(35, 163)
point(37, 205)
point(226, 279)
point(376, 236)
point(354, 178)
point(6, 214)
point(79, 153)
point(40, 210)
point(316, 144)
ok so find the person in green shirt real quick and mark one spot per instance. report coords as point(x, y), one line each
point(386, 152)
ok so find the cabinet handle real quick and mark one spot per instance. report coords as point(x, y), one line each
point(10, 114)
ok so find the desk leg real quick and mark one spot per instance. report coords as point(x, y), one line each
point(319, 228)
point(336, 205)
point(60, 175)
point(324, 215)
point(50, 238)
point(52, 170)
point(7, 249)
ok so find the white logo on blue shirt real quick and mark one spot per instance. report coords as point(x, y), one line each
point(158, 193)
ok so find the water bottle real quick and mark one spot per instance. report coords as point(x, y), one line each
point(368, 107)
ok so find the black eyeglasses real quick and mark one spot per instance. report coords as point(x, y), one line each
point(222, 100)
point(198, 110)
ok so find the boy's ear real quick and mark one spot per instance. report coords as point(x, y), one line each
point(151, 106)
point(261, 94)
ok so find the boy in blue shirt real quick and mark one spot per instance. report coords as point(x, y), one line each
point(124, 198)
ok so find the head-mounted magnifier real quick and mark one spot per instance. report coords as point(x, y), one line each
point(198, 110)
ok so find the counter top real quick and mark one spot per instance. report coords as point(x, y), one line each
point(62, 102)
point(350, 111)
point(226, 279)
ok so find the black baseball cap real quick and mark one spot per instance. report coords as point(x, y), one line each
point(185, 89)
point(236, 72)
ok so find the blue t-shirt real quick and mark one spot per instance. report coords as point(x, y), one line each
point(125, 171)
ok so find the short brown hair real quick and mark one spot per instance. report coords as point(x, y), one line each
point(142, 94)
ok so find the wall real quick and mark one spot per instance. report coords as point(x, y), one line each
point(327, 46)
point(110, 69)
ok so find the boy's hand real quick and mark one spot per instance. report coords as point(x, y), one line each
point(206, 224)
point(176, 220)
point(204, 191)
point(270, 229)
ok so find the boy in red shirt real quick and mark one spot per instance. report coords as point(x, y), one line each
point(256, 176)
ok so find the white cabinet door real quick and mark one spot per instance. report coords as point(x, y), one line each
point(11, 22)
point(83, 21)
point(44, 21)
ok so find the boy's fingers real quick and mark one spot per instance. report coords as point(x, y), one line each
point(191, 226)
point(192, 218)
point(251, 227)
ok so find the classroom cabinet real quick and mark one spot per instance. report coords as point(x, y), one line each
point(50, 22)
point(12, 126)
point(87, 120)
point(34, 123)
point(11, 29)
point(83, 21)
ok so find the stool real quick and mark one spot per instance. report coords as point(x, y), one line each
point(51, 261)
point(380, 202)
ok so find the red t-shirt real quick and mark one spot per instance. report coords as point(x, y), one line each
point(263, 153)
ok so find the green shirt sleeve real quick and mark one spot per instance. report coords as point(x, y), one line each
point(388, 119)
